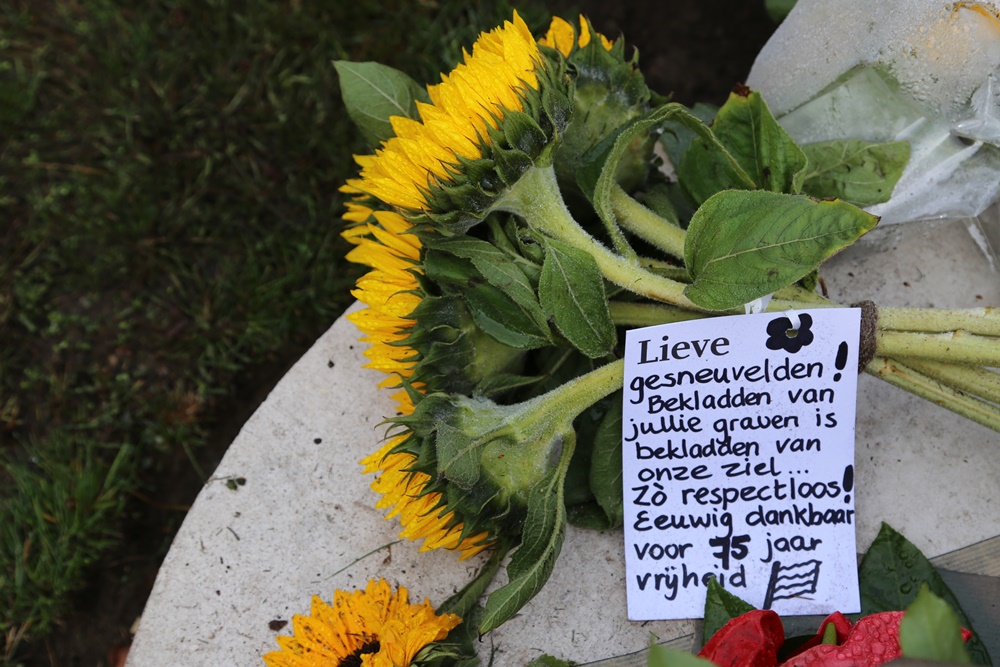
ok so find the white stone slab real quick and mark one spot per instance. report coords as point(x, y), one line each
point(303, 523)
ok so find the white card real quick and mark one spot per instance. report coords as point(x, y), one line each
point(738, 462)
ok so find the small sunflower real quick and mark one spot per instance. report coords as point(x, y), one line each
point(391, 292)
point(484, 127)
point(420, 512)
point(389, 289)
point(370, 628)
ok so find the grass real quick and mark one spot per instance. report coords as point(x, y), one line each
point(168, 220)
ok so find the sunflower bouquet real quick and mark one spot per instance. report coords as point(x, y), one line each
point(517, 217)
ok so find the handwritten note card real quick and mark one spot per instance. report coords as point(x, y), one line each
point(738, 462)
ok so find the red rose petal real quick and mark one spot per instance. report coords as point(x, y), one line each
point(750, 640)
point(873, 641)
point(840, 622)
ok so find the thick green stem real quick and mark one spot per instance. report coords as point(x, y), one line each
point(898, 373)
point(957, 347)
point(647, 225)
point(536, 198)
point(974, 380)
point(630, 314)
point(982, 321)
point(570, 399)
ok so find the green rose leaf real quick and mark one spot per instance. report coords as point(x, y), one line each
point(606, 464)
point(721, 606)
point(856, 171)
point(742, 245)
point(930, 630)
point(373, 93)
point(541, 542)
point(571, 291)
point(890, 577)
point(661, 656)
point(761, 147)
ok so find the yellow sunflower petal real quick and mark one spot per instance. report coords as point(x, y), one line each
point(560, 36)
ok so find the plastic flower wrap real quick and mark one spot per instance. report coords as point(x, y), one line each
point(922, 71)
point(515, 220)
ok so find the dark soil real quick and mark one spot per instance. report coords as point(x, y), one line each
point(696, 51)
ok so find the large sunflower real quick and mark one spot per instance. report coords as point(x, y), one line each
point(370, 628)
point(469, 103)
point(391, 292)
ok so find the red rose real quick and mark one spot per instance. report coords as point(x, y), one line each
point(872, 641)
point(754, 639)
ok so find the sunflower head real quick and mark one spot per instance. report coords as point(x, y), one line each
point(490, 119)
point(371, 628)
point(428, 340)
point(482, 461)
point(609, 92)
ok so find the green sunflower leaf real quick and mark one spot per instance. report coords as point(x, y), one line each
point(677, 136)
point(501, 270)
point(571, 291)
point(597, 177)
point(457, 455)
point(462, 602)
point(856, 171)
point(721, 606)
point(499, 316)
point(541, 541)
point(890, 577)
point(751, 135)
point(742, 245)
point(500, 383)
point(606, 464)
point(930, 630)
point(373, 93)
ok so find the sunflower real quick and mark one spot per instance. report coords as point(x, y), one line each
point(419, 512)
point(466, 113)
point(391, 292)
point(369, 628)
point(390, 289)
point(561, 36)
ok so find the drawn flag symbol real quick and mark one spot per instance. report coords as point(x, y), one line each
point(791, 581)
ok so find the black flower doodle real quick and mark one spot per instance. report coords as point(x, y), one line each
point(781, 336)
